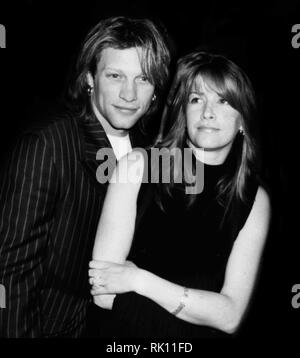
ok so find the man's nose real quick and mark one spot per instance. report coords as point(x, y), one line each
point(128, 91)
point(208, 111)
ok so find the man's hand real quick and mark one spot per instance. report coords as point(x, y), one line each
point(104, 301)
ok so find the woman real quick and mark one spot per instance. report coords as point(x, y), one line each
point(194, 258)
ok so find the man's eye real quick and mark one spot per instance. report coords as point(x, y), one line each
point(113, 75)
point(143, 79)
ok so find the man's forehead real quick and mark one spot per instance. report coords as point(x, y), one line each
point(127, 59)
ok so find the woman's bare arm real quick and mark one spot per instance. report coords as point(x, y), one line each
point(222, 310)
point(117, 222)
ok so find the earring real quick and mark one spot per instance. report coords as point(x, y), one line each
point(89, 90)
point(153, 97)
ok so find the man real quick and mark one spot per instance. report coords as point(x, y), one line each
point(50, 199)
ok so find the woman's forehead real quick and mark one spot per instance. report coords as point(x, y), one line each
point(204, 84)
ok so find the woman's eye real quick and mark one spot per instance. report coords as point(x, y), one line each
point(223, 101)
point(195, 100)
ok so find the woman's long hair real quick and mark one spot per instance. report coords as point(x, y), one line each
point(231, 83)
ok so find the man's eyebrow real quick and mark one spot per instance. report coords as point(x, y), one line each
point(112, 68)
point(109, 68)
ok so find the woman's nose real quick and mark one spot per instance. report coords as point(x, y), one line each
point(208, 111)
point(128, 91)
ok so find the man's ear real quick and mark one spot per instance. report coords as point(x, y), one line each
point(90, 80)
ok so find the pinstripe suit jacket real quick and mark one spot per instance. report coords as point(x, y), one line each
point(50, 203)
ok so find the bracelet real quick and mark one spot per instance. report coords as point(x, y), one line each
point(182, 301)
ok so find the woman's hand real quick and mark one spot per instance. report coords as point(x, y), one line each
point(111, 278)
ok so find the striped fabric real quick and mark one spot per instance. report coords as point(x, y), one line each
point(50, 203)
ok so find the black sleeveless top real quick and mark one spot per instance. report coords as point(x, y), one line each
point(185, 245)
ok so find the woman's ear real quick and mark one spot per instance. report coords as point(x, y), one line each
point(90, 80)
point(240, 125)
point(241, 130)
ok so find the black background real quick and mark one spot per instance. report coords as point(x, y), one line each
point(43, 38)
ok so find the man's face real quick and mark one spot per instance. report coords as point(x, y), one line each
point(121, 92)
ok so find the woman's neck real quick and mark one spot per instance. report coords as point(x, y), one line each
point(207, 157)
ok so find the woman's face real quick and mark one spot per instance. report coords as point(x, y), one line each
point(212, 123)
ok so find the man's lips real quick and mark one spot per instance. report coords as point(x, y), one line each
point(126, 109)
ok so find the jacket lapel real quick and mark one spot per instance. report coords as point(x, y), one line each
point(137, 138)
point(94, 138)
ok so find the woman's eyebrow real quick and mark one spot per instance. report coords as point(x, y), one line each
point(197, 92)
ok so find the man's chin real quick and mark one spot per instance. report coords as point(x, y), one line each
point(125, 125)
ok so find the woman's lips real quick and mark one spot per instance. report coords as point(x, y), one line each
point(207, 129)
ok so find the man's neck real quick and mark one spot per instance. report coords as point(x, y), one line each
point(109, 130)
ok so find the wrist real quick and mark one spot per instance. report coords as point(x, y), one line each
point(139, 281)
point(182, 301)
